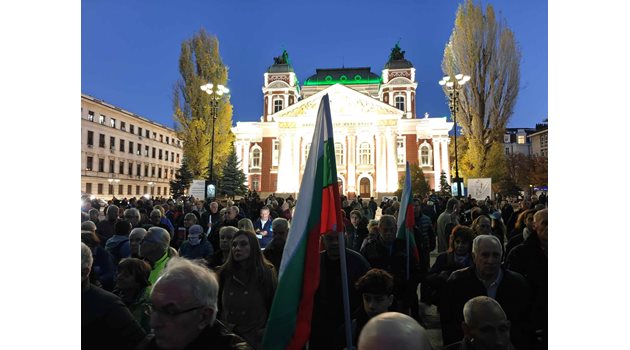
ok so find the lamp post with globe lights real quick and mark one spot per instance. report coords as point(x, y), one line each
point(216, 93)
point(453, 87)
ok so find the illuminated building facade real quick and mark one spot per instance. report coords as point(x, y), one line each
point(375, 129)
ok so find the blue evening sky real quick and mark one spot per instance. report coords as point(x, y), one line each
point(130, 49)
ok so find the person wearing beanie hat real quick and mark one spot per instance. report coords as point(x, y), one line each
point(118, 245)
point(196, 246)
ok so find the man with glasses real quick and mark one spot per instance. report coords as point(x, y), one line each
point(154, 249)
point(184, 308)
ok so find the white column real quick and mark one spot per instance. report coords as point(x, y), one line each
point(352, 162)
point(381, 169)
point(286, 101)
point(295, 166)
point(245, 157)
point(284, 162)
point(445, 163)
point(238, 146)
point(408, 103)
point(392, 160)
point(436, 163)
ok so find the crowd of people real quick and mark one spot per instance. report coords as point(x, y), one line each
point(162, 273)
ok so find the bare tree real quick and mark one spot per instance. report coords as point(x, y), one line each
point(486, 50)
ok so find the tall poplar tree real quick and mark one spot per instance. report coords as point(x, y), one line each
point(200, 63)
point(486, 50)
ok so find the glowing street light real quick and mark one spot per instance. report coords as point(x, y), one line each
point(216, 94)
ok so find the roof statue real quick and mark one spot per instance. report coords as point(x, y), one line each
point(397, 53)
point(282, 59)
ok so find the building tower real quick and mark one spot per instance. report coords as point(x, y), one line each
point(280, 88)
point(399, 83)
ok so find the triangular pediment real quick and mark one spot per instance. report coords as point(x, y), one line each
point(344, 101)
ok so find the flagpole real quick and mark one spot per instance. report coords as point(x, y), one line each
point(344, 287)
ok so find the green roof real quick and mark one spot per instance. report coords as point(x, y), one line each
point(345, 76)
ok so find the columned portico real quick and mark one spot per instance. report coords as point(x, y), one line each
point(436, 163)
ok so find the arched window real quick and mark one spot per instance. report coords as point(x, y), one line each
point(277, 105)
point(400, 102)
point(365, 153)
point(339, 153)
point(256, 157)
point(425, 154)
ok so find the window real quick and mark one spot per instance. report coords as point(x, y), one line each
point(177, 158)
point(146, 172)
point(122, 145)
point(277, 105)
point(339, 153)
point(112, 142)
point(139, 149)
point(400, 150)
point(146, 151)
point(255, 183)
point(110, 189)
point(145, 189)
point(88, 166)
point(101, 119)
point(365, 153)
point(256, 155)
point(139, 131)
point(101, 140)
point(90, 138)
point(172, 157)
point(147, 133)
point(101, 165)
point(543, 141)
point(160, 154)
point(153, 152)
point(138, 169)
point(123, 126)
point(154, 136)
point(161, 138)
point(507, 151)
point(131, 128)
point(128, 189)
point(137, 189)
point(276, 153)
point(153, 171)
point(120, 189)
point(88, 188)
point(521, 139)
point(425, 154)
point(159, 172)
point(168, 140)
point(112, 122)
point(130, 169)
point(130, 147)
point(506, 138)
point(121, 167)
point(400, 102)
point(90, 118)
point(111, 166)
point(100, 188)
point(166, 155)
point(159, 191)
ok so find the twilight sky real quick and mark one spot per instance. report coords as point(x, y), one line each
point(130, 49)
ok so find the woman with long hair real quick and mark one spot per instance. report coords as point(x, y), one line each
point(247, 283)
point(133, 287)
point(523, 228)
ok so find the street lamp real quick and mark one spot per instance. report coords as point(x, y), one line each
point(216, 94)
point(454, 86)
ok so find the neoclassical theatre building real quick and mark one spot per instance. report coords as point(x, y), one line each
point(375, 129)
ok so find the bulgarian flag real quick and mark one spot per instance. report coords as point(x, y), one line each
point(318, 211)
point(406, 220)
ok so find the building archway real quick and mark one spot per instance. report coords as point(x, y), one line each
point(365, 188)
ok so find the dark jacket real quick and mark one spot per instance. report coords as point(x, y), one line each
point(356, 235)
point(513, 294)
point(106, 322)
point(215, 337)
point(258, 226)
point(434, 285)
point(273, 252)
point(119, 248)
point(529, 260)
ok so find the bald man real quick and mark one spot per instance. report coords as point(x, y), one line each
point(485, 326)
point(393, 330)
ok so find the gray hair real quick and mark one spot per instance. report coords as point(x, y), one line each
point(93, 210)
point(160, 212)
point(137, 231)
point(86, 257)
point(202, 282)
point(478, 239)
point(225, 229)
point(482, 302)
point(132, 211)
point(235, 209)
point(88, 226)
point(160, 235)
point(280, 224)
point(190, 215)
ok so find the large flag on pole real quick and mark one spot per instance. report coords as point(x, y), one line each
point(406, 220)
point(318, 211)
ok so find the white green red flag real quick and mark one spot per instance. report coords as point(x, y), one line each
point(406, 220)
point(318, 211)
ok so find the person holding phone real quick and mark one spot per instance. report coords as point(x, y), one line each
point(262, 227)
